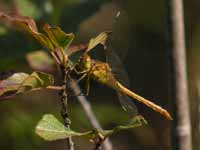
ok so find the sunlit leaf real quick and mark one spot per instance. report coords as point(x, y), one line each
point(22, 82)
point(100, 39)
point(35, 80)
point(58, 37)
point(27, 24)
point(43, 40)
point(41, 61)
point(49, 128)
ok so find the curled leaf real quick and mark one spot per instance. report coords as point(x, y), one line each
point(100, 137)
point(100, 39)
point(10, 85)
point(27, 24)
point(49, 128)
point(22, 22)
point(134, 122)
point(75, 48)
point(58, 37)
point(22, 82)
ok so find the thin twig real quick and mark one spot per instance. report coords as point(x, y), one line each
point(50, 87)
point(176, 41)
point(107, 145)
point(54, 87)
point(64, 102)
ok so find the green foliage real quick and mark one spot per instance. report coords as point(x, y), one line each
point(134, 122)
point(100, 39)
point(49, 128)
point(22, 82)
point(40, 60)
point(27, 24)
point(58, 43)
point(58, 37)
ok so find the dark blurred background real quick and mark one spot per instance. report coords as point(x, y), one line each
point(139, 40)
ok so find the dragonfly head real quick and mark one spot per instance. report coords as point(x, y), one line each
point(84, 63)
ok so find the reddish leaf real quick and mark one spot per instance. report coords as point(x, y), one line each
point(27, 24)
point(22, 22)
point(75, 48)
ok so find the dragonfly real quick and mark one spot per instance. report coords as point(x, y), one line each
point(112, 74)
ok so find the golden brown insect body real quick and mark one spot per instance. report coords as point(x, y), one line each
point(102, 73)
point(97, 70)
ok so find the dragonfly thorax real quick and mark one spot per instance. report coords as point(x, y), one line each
point(101, 72)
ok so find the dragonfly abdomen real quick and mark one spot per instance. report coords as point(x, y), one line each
point(144, 101)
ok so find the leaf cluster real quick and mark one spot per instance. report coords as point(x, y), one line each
point(57, 42)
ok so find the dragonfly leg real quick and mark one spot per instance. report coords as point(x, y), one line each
point(79, 94)
point(82, 77)
point(87, 85)
point(79, 72)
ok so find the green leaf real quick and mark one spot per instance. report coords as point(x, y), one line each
point(27, 24)
point(134, 122)
point(43, 40)
point(41, 61)
point(11, 84)
point(35, 80)
point(58, 37)
point(22, 82)
point(49, 128)
point(100, 39)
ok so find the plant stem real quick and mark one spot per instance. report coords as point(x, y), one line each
point(99, 143)
point(176, 46)
point(64, 103)
point(107, 145)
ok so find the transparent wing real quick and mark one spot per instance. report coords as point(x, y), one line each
point(121, 75)
point(127, 104)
